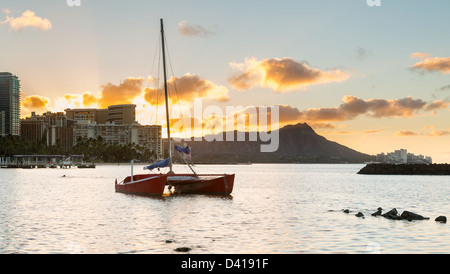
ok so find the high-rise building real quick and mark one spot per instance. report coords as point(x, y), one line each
point(9, 104)
point(122, 114)
point(99, 116)
point(117, 114)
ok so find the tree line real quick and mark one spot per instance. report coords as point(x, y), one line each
point(94, 150)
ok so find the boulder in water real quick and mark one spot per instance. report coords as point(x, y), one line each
point(182, 249)
point(378, 213)
point(392, 214)
point(441, 219)
point(412, 216)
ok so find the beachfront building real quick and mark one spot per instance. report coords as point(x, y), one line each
point(50, 128)
point(146, 136)
point(116, 125)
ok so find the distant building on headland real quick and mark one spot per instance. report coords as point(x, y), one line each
point(402, 156)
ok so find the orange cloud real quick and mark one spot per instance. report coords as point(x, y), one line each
point(35, 102)
point(124, 93)
point(89, 99)
point(431, 64)
point(186, 88)
point(281, 74)
point(27, 19)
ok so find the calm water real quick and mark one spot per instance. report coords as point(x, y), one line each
point(273, 209)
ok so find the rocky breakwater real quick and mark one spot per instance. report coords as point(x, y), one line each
point(393, 215)
point(406, 169)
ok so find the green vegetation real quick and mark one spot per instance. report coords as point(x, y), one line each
point(94, 150)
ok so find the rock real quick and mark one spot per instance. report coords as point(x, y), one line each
point(182, 249)
point(346, 211)
point(169, 241)
point(441, 219)
point(391, 214)
point(378, 213)
point(359, 215)
point(412, 216)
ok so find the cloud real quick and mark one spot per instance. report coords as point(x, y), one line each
point(352, 107)
point(362, 53)
point(281, 74)
point(89, 99)
point(406, 133)
point(439, 133)
point(439, 104)
point(27, 19)
point(186, 88)
point(434, 133)
point(431, 64)
point(186, 29)
point(111, 94)
point(405, 107)
point(35, 102)
point(446, 87)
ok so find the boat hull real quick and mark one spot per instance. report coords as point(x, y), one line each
point(219, 184)
point(144, 184)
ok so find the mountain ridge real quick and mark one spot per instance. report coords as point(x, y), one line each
point(298, 143)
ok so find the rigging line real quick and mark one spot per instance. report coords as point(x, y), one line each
point(157, 83)
point(174, 82)
point(157, 49)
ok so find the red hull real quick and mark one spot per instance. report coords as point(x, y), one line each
point(202, 184)
point(146, 184)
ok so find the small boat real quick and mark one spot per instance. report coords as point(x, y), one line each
point(154, 184)
point(145, 184)
point(220, 184)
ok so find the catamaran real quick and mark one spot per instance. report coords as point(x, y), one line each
point(185, 183)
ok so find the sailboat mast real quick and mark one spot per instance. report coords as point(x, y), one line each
point(165, 91)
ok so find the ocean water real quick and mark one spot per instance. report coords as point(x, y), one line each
point(274, 209)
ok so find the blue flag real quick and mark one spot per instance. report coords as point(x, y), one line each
point(163, 163)
point(185, 150)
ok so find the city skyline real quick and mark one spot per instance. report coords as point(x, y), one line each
point(371, 78)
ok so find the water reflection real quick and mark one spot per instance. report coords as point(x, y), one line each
point(273, 209)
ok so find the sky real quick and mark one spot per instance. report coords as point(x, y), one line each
point(373, 78)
